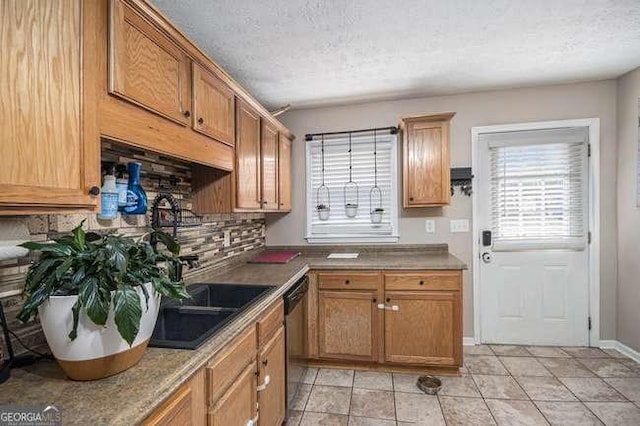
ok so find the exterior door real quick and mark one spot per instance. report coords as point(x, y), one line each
point(532, 195)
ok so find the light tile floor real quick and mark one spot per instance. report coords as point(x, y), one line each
point(499, 385)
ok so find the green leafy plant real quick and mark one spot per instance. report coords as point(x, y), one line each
point(102, 270)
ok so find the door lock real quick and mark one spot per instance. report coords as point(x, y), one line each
point(487, 257)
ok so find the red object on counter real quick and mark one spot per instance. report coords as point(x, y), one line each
point(276, 257)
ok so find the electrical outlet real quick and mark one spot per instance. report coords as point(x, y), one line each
point(429, 226)
point(227, 239)
point(459, 225)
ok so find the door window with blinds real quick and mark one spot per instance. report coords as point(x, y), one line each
point(339, 227)
point(539, 189)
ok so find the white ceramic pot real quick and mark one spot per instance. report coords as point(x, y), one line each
point(323, 214)
point(351, 210)
point(376, 216)
point(98, 351)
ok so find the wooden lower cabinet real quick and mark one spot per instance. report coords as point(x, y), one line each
point(348, 325)
point(411, 318)
point(237, 407)
point(187, 406)
point(271, 396)
point(422, 328)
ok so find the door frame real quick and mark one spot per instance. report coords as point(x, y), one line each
point(594, 215)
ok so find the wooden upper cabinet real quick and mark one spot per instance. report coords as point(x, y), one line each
point(348, 325)
point(426, 162)
point(423, 327)
point(271, 397)
point(49, 143)
point(284, 173)
point(269, 157)
point(213, 106)
point(247, 172)
point(146, 67)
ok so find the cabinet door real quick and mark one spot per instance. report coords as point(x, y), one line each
point(146, 67)
point(48, 155)
point(269, 167)
point(247, 173)
point(423, 327)
point(271, 397)
point(213, 106)
point(348, 325)
point(175, 412)
point(426, 168)
point(284, 173)
point(238, 405)
point(187, 406)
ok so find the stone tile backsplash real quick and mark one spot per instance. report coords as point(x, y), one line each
point(160, 173)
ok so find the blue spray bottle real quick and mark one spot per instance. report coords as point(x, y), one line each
point(136, 197)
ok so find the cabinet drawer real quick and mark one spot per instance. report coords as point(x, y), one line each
point(223, 370)
point(444, 280)
point(348, 281)
point(270, 323)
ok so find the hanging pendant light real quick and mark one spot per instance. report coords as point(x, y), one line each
point(350, 202)
point(375, 194)
point(323, 196)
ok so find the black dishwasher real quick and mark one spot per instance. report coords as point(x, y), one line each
point(295, 310)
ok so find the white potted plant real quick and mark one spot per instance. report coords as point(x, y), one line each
point(98, 298)
point(376, 215)
point(351, 209)
point(323, 211)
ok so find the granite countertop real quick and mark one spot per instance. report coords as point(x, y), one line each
point(129, 397)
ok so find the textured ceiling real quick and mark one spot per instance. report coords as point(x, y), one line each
point(318, 52)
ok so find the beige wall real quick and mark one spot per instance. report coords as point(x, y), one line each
point(584, 100)
point(628, 213)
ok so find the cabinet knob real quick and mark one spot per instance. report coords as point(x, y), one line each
point(375, 300)
point(347, 281)
point(265, 362)
point(421, 282)
point(200, 120)
point(94, 191)
point(388, 299)
point(186, 113)
point(410, 198)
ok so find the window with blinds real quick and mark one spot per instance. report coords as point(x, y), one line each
point(339, 227)
point(539, 189)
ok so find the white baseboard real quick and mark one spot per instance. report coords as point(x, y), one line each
point(622, 348)
point(469, 341)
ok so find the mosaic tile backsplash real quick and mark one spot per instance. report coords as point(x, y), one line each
point(245, 231)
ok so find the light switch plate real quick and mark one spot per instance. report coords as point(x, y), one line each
point(429, 226)
point(459, 225)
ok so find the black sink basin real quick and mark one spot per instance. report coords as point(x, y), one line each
point(188, 324)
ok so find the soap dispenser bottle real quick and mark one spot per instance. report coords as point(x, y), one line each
point(136, 197)
point(122, 184)
point(108, 195)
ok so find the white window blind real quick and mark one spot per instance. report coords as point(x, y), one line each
point(339, 227)
point(539, 189)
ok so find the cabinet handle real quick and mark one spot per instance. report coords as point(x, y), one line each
point(95, 190)
point(187, 113)
point(265, 362)
point(200, 120)
point(264, 385)
point(421, 282)
point(253, 421)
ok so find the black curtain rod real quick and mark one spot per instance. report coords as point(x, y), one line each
point(309, 136)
